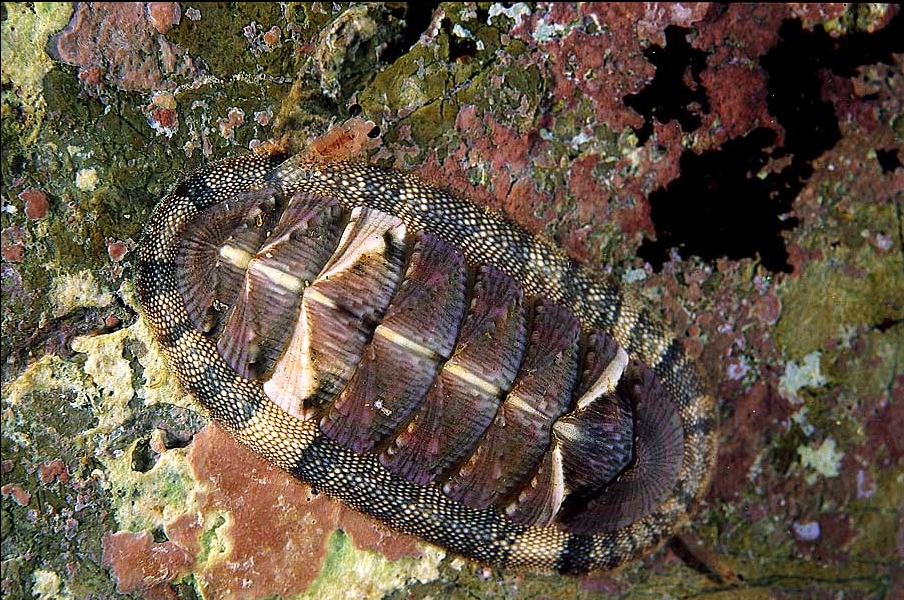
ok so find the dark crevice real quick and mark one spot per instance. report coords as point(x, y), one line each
point(696, 557)
point(886, 324)
point(721, 206)
point(175, 439)
point(186, 589)
point(735, 201)
point(55, 336)
point(460, 48)
point(159, 535)
point(178, 425)
point(668, 97)
point(888, 160)
point(143, 457)
point(417, 18)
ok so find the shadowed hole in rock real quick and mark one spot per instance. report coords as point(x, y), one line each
point(736, 201)
point(143, 457)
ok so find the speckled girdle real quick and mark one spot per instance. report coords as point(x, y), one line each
point(290, 432)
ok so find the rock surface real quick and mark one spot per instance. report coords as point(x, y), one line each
point(740, 166)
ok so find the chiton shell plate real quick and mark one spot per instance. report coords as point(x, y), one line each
point(426, 361)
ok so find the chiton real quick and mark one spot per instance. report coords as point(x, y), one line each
point(426, 361)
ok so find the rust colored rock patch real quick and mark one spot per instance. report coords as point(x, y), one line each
point(256, 532)
point(122, 43)
point(36, 204)
point(142, 565)
point(276, 528)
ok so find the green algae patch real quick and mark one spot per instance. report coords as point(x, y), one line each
point(858, 18)
point(768, 558)
point(854, 285)
point(451, 67)
point(52, 402)
point(349, 572)
point(213, 541)
point(823, 300)
point(823, 460)
point(806, 374)
point(25, 63)
point(870, 370)
point(877, 518)
point(150, 500)
point(227, 36)
point(48, 586)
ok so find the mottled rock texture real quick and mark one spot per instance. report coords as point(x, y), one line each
point(739, 166)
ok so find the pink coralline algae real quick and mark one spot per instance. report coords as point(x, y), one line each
point(277, 513)
point(122, 43)
point(12, 245)
point(162, 115)
point(272, 37)
point(233, 120)
point(141, 564)
point(164, 120)
point(117, 250)
point(53, 470)
point(35, 203)
point(164, 15)
point(17, 493)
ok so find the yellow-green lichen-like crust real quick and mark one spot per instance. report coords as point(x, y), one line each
point(359, 479)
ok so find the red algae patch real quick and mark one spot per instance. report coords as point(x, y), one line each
point(233, 120)
point(119, 43)
point(36, 204)
point(255, 532)
point(12, 245)
point(17, 493)
point(117, 250)
point(276, 530)
point(53, 470)
point(140, 564)
point(164, 15)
